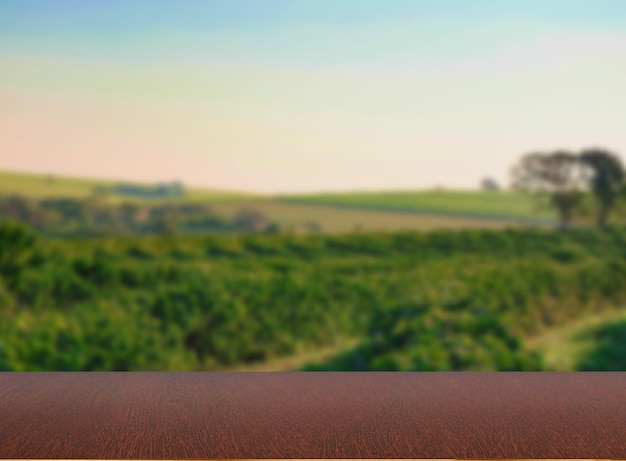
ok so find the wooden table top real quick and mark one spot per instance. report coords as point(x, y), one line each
point(312, 415)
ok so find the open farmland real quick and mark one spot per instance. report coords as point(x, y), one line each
point(298, 214)
point(340, 287)
point(505, 205)
point(309, 218)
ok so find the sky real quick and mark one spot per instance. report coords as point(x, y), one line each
point(285, 96)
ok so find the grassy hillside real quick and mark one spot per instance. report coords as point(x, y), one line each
point(445, 300)
point(478, 204)
point(47, 186)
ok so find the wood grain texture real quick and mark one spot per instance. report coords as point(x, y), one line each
point(312, 415)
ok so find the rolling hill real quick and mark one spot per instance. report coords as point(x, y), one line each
point(329, 212)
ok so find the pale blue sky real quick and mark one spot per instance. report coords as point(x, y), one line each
point(298, 95)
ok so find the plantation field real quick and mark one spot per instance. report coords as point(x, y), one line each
point(440, 300)
point(506, 205)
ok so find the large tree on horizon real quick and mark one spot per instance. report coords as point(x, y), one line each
point(607, 181)
point(559, 175)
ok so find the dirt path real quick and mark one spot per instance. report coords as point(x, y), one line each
point(560, 346)
point(299, 359)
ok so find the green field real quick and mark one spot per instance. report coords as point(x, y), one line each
point(306, 218)
point(429, 301)
point(505, 205)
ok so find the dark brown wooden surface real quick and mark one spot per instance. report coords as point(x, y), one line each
point(312, 415)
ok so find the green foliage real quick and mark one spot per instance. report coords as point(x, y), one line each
point(610, 352)
point(463, 300)
point(567, 253)
point(18, 249)
point(559, 176)
point(607, 181)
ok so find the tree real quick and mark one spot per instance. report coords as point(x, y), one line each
point(607, 181)
point(249, 220)
point(489, 184)
point(559, 175)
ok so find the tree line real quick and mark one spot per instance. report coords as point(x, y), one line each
point(67, 217)
point(158, 191)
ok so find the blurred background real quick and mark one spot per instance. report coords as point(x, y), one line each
point(292, 185)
